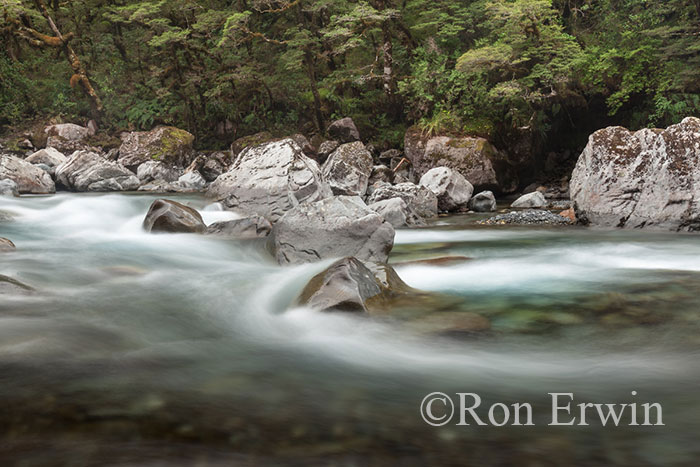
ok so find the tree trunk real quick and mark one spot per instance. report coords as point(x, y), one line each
point(388, 53)
point(314, 91)
point(79, 74)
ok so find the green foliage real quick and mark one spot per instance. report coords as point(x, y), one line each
point(14, 91)
point(494, 68)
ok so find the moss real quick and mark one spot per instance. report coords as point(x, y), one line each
point(252, 140)
point(171, 141)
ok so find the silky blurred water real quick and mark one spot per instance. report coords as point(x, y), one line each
point(144, 349)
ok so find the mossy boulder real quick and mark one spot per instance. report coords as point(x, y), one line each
point(475, 158)
point(166, 144)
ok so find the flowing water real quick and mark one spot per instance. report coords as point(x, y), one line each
point(142, 349)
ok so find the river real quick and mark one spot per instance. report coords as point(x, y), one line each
point(144, 349)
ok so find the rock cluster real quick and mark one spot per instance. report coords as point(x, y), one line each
point(528, 217)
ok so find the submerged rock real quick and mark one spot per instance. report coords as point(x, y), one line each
point(269, 180)
point(349, 285)
point(439, 261)
point(453, 191)
point(28, 178)
point(343, 131)
point(483, 202)
point(347, 170)
point(331, 228)
point(452, 324)
point(531, 200)
point(529, 217)
point(249, 227)
point(647, 178)
point(8, 285)
point(6, 245)
point(170, 216)
point(166, 144)
point(420, 199)
point(88, 171)
point(396, 212)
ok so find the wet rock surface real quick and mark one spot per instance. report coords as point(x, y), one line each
point(333, 227)
point(6, 245)
point(173, 217)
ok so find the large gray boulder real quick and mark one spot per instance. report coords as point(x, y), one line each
point(343, 131)
point(269, 180)
point(453, 191)
point(648, 178)
point(166, 144)
point(66, 137)
point(248, 227)
point(348, 169)
point(396, 212)
point(535, 200)
point(88, 171)
point(348, 285)
point(28, 178)
point(331, 228)
point(173, 217)
point(421, 200)
point(476, 159)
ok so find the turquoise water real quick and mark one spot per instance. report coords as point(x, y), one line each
point(140, 349)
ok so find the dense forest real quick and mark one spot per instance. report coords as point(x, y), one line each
point(538, 74)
